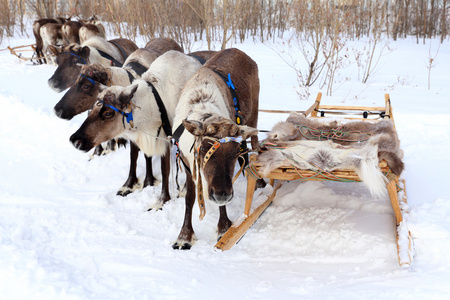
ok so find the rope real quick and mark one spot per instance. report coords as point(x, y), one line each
point(334, 134)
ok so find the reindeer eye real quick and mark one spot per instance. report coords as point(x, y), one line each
point(108, 114)
point(86, 87)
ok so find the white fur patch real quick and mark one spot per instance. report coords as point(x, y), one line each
point(328, 156)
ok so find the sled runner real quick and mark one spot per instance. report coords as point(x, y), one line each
point(18, 51)
point(395, 186)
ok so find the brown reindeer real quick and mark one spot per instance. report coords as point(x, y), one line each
point(83, 94)
point(70, 58)
point(37, 34)
point(89, 30)
point(142, 112)
point(51, 35)
point(215, 128)
point(70, 32)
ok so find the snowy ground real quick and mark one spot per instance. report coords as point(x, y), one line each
point(64, 234)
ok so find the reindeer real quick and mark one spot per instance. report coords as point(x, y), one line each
point(141, 112)
point(37, 33)
point(96, 49)
point(89, 30)
point(80, 31)
point(216, 125)
point(83, 94)
point(70, 32)
point(51, 34)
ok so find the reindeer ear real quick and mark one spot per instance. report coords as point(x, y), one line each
point(126, 95)
point(246, 131)
point(234, 130)
point(100, 76)
point(85, 51)
point(194, 127)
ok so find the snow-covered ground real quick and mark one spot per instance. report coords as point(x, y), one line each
point(64, 234)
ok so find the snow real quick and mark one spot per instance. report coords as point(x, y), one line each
point(64, 234)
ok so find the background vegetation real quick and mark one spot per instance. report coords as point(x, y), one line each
point(222, 20)
point(319, 29)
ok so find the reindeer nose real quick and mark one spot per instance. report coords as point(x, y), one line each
point(80, 143)
point(54, 84)
point(58, 112)
point(63, 112)
point(221, 197)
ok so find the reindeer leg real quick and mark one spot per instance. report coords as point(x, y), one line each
point(165, 173)
point(149, 180)
point(224, 223)
point(98, 151)
point(186, 238)
point(132, 182)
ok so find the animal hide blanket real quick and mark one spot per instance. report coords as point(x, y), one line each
point(308, 143)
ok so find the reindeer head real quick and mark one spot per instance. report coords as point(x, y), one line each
point(69, 60)
point(108, 118)
point(82, 95)
point(217, 148)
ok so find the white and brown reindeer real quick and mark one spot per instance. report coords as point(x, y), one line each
point(95, 50)
point(141, 112)
point(37, 34)
point(82, 95)
point(216, 124)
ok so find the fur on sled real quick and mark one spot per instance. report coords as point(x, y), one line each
point(319, 145)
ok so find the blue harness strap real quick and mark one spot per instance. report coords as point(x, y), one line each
point(77, 56)
point(88, 78)
point(127, 116)
point(232, 88)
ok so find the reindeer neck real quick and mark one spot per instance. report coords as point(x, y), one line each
point(119, 76)
point(95, 57)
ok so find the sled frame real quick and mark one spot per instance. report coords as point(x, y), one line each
point(18, 50)
point(396, 187)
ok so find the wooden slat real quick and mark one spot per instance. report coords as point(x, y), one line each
point(313, 109)
point(281, 111)
point(236, 232)
point(351, 108)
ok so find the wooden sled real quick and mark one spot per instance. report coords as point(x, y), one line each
point(395, 186)
point(18, 51)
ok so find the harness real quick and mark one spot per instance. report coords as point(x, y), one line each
point(136, 67)
point(196, 172)
point(200, 59)
point(239, 117)
point(82, 61)
point(124, 55)
point(127, 116)
point(130, 76)
point(232, 88)
point(114, 62)
point(165, 125)
point(88, 78)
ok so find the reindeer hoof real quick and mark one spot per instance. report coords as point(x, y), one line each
point(183, 246)
point(158, 205)
point(151, 208)
point(126, 189)
point(124, 193)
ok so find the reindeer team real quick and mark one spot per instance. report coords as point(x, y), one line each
point(205, 102)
